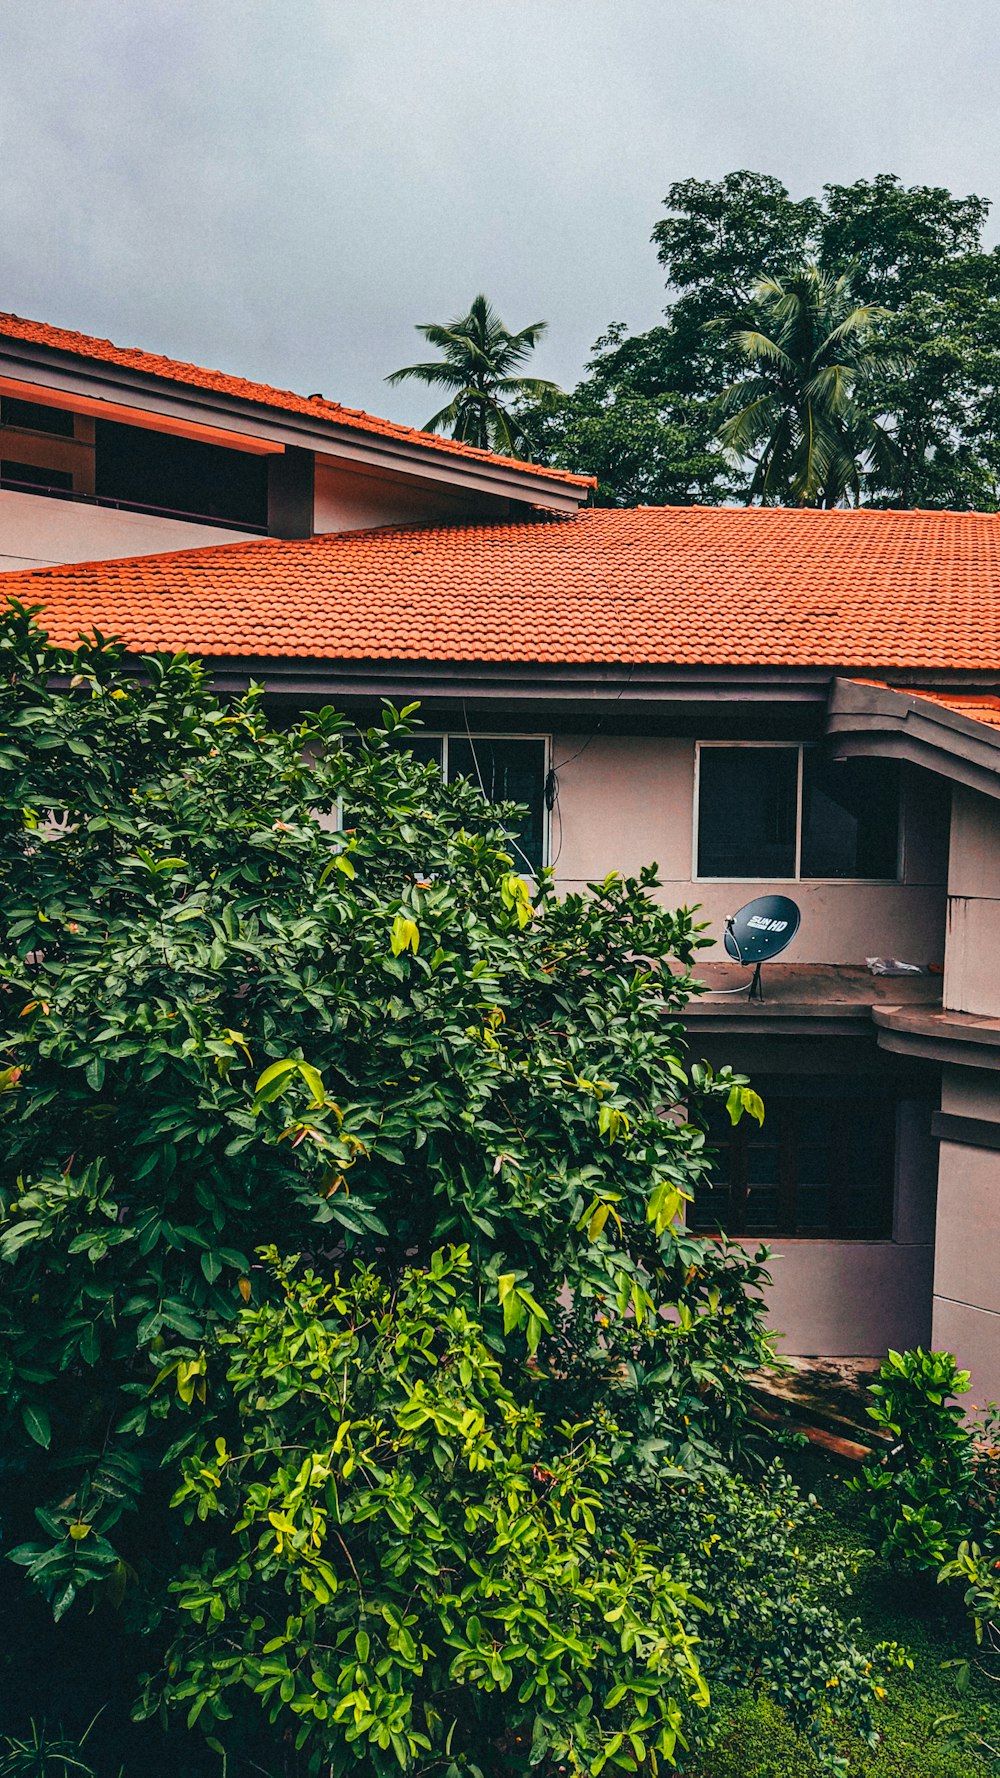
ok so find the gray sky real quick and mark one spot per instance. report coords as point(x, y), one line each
point(281, 188)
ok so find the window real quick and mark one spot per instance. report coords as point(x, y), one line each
point(29, 475)
point(850, 816)
point(161, 473)
point(31, 416)
point(822, 1165)
point(771, 813)
point(508, 769)
point(747, 806)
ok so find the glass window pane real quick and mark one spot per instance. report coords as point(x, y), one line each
point(709, 1213)
point(183, 476)
point(512, 771)
point(33, 417)
point(850, 816)
point(821, 1167)
point(747, 800)
point(33, 477)
point(426, 749)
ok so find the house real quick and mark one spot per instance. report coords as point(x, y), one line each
point(758, 699)
point(107, 451)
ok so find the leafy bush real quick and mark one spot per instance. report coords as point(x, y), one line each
point(229, 1025)
point(937, 1485)
point(39, 1753)
point(415, 1562)
point(934, 1498)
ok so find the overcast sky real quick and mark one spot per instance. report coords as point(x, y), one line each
point(281, 188)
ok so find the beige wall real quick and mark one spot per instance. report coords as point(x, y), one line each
point(849, 1299)
point(855, 1299)
point(37, 533)
point(972, 971)
point(628, 800)
point(348, 501)
point(966, 1272)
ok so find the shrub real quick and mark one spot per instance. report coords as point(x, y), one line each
point(227, 1026)
point(416, 1562)
point(937, 1484)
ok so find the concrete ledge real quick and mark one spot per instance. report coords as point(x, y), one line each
point(821, 999)
point(939, 1035)
point(968, 1132)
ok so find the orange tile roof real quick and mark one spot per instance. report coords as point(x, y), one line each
point(974, 708)
point(683, 585)
point(218, 382)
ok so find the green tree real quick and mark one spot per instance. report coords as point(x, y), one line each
point(655, 449)
point(480, 367)
point(897, 241)
point(914, 251)
point(804, 412)
point(474, 1482)
point(918, 252)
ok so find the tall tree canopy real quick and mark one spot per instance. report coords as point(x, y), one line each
point(480, 367)
point(802, 412)
point(646, 417)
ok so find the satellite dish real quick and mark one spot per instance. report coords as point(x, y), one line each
point(760, 932)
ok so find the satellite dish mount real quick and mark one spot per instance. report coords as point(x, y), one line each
point(758, 933)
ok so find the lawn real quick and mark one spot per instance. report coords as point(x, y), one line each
point(756, 1742)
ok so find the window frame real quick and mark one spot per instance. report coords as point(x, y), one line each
point(730, 1151)
point(798, 747)
point(443, 735)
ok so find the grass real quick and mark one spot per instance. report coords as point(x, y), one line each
point(754, 1739)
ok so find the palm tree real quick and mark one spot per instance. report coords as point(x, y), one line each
point(479, 365)
point(807, 414)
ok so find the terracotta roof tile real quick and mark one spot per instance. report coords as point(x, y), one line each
point(83, 345)
point(697, 585)
point(976, 708)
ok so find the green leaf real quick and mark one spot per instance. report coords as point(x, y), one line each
point(314, 1081)
point(274, 1080)
point(37, 1423)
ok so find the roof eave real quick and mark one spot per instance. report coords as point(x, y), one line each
point(609, 684)
point(878, 721)
point(49, 369)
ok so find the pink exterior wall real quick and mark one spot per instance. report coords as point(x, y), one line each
point(630, 799)
point(37, 533)
point(855, 1299)
point(347, 500)
point(972, 973)
point(849, 1299)
point(966, 1274)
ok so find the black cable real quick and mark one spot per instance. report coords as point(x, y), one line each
point(475, 760)
point(730, 928)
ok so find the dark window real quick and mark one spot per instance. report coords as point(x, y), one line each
point(822, 1164)
point(426, 749)
point(33, 417)
point(507, 771)
point(30, 475)
point(850, 817)
point(747, 799)
point(160, 473)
